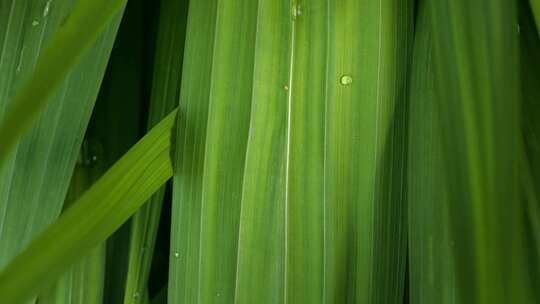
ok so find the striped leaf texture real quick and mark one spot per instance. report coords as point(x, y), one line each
point(99, 212)
point(477, 90)
point(36, 176)
point(165, 97)
point(431, 267)
point(290, 159)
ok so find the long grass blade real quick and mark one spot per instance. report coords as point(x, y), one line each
point(189, 155)
point(478, 97)
point(530, 78)
point(369, 45)
point(431, 267)
point(94, 217)
point(205, 255)
point(165, 96)
point(262, 233)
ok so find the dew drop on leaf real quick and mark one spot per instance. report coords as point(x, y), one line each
point(346, 80)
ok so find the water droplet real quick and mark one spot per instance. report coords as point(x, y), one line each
point(346, 80)
point(136, 296)
point(47, 8)
point(296, 11)
point(218, 294)
point(35, 22)
point(176, 254)
point(91, 152)
point(286, 87)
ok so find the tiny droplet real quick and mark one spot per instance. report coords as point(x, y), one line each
point(35, 22)
point(176, 255)
point(346, 80)
point(286, 87)
point(136, 296)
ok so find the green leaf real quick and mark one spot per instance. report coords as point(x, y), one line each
point(74, 34)
point(431, 267)
point(324, 163)
point(215, 102)
point(365, 232)
point(95, 216)
point(478, 97)
point(262, 239)
point(35, 177)
point(165, 96)
point(189, 153)
point(530, 78)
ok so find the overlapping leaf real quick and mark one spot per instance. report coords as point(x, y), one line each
point(94, 217)
point(36, 176)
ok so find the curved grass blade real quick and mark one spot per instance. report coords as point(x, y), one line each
point(165, 96)
point(76, 33)
point(95, 216)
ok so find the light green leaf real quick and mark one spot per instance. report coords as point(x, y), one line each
point(206, 198)
point(365, 230)
point(325, 156)
point(94, 217)
point(262, 233)
point(189, 153)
